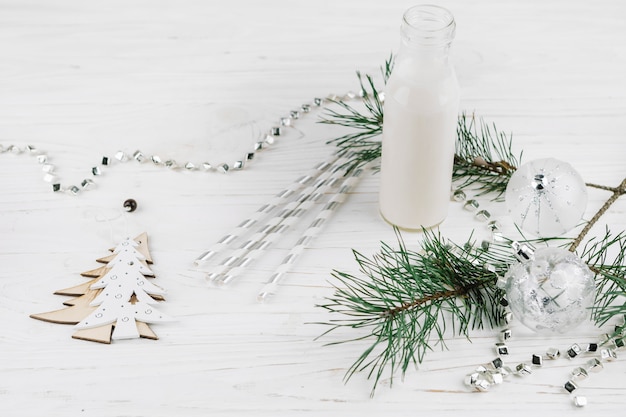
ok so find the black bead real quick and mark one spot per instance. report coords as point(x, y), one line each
point(130, 205)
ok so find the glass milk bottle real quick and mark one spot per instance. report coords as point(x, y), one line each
point(419, 125)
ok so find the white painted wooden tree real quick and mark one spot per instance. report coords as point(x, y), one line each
point(119, 302)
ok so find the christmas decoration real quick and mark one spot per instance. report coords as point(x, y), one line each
point(265, 140)
point(552, 291)
point(394, 305)
point(119, 300)
point(546, 197)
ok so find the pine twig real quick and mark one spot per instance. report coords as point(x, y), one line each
point(409, 300)
point(617, 193)
point(483, 156)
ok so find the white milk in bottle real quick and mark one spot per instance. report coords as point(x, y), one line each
point(420, 118)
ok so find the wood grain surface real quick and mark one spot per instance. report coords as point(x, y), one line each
point(200, 80)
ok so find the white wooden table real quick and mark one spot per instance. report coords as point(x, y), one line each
point(191, 80)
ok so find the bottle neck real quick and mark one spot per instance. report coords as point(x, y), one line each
point(428, 30)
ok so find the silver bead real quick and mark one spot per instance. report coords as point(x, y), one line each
point(105, 160)
point(594, 365)
point(42, 159)
point(121, 156)
point(206, 166)
point(570, 386)
point(497, 363)
point(592, 347)
point(580, 401)
point(579, 374)
point(238, 165)
point(49, 177)
point(47, 168)
point(553, 353)
point(249, 156)
point(269, 139)
point(502, 349)
point(317, 101)
point(573, 351)
point(96, 171)
point(608, 354)
point(619, 343)
point(56, 187)
point(523, 369)
point(485, 244)
point(258, 146)
point(471, 379)
point(14, 150)
point(170, 163)
point(139, 156)
point(190, 166)
point(505, 335)
point(459, 195)
point(482, 384)
point(471, 205)
point(294, 114)
point(275, 131)
point(156, 159)
point(31, 149)
point(86, 183)
point(223, 168)
point(508, 317)
point(305, 108)
point(481, 369)
point(494, 225)
point(523, 252)
point(285, 121)
point(537, 360)
point(74, 190)
point(483, 215)
point(497, 378)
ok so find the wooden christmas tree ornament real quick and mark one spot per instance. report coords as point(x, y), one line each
point(118, 302)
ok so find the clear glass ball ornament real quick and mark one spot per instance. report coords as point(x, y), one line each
point(546, 197)
point(551, 292)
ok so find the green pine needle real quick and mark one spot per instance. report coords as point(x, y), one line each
point(408, 300)
point(610, 299)
point(483, 159)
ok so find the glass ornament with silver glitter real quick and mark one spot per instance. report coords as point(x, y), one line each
point(546, 197)
point(553, 291)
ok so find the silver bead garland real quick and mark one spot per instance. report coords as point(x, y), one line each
point(595, 354)
point(266, 140)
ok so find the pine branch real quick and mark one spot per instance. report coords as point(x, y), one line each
point(610, 275)
point(364, 142)
point(408, 300)
point(483, 157)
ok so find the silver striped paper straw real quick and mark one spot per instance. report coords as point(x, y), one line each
point(266, 209)
point(273, 226)
point(236, 263)
point(309, 234)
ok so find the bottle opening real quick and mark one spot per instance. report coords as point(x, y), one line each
point(428, 24)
